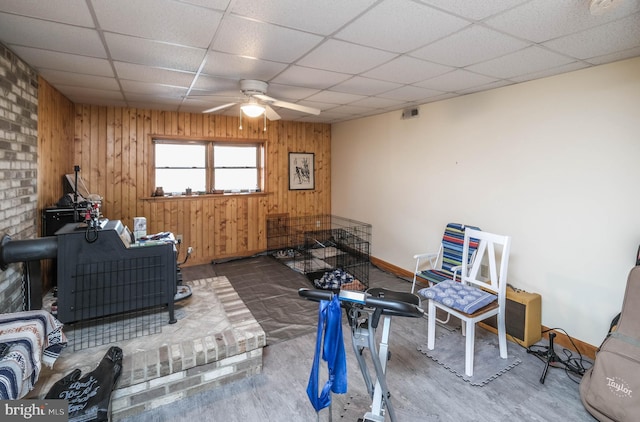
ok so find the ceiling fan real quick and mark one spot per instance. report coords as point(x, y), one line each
point(257, 102)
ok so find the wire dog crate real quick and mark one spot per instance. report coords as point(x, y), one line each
point(321, 244)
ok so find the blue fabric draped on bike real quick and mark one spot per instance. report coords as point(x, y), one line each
point(331, 343)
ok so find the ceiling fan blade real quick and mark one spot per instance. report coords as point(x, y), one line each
point(222, 107)
point(285, 104)
point(271, 113)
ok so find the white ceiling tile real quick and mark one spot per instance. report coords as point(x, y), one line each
point(550, 72)
point(73, 12)
point(56, 77)
point(320, 105)
point(290, 93)
point(407, 70)
point(614, 57)
point(530, 60)
point(293, 45)
point(46, 59)
point(377, 102)
point(457, 80)
point(492, 85)
point(211, 4)
point(163, 20)
point(263, 41)
point(218, 86)
point(319, 17)
point(476, 10)
point(151, 53)
point(365, 86)
point(307, 77)
point(352, 110)
point(352, 58)
point(471, 45)
point(543, 20)
point(50, 36)
point(410, 93)
point(620, 35)
point(82, 95)
point(400, 26)
point(137, 72)
point(335, 97)
point(240, 67)
point(137, 87)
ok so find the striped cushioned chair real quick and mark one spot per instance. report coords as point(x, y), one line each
point(447, 262)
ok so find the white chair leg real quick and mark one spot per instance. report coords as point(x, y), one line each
point(469, 348)
point(431, 325)
point(502, 335)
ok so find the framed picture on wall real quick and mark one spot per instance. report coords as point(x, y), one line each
point(301, 171)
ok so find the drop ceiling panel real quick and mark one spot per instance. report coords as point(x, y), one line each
point(456, 81)
point(47, 35)
point(46, 59)
point(319, 17)
point(82, 95)
point(162, 91)
point(365, 86)
point(475, 10)
point(58, 77)
point(378, 103)
point(73, 12)
point(335, 97)
point(530, 60)
point(407, 70)
point(218, 86)
point(619, 35)
point(410, 93)
point(137, 72)
point(469, 46)
point(163, 21)
point(307, 77)
point(378, 54)
point(543, 20)
point(340, 56)
point(289, 92)
point(263, 41)
point(240, 67)
point(400, 26)
point(152, 53)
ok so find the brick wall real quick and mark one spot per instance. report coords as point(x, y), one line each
point(18, 165)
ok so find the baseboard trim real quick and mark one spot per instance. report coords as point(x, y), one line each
point(561, 338)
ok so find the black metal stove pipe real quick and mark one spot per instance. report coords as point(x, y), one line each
point(26, 250)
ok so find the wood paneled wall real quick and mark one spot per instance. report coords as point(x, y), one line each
point(112, 146)
point(55, 144)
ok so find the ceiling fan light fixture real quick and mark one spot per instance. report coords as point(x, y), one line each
point(252, 109)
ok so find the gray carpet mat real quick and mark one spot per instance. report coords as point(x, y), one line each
point(449, 351)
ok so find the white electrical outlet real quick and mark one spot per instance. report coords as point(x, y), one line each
point(179, 238)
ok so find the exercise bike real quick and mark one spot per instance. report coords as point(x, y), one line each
point(364, 310)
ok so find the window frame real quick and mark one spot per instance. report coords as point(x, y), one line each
point(259, 144)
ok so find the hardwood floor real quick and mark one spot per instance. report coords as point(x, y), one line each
point(421, 389)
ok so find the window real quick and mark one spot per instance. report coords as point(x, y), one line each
point(208, 165)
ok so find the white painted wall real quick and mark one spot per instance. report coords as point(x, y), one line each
point(554, 163)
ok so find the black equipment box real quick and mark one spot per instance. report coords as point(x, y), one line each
point(101, 273)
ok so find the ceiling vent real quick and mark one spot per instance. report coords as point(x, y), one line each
point(410, 113)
